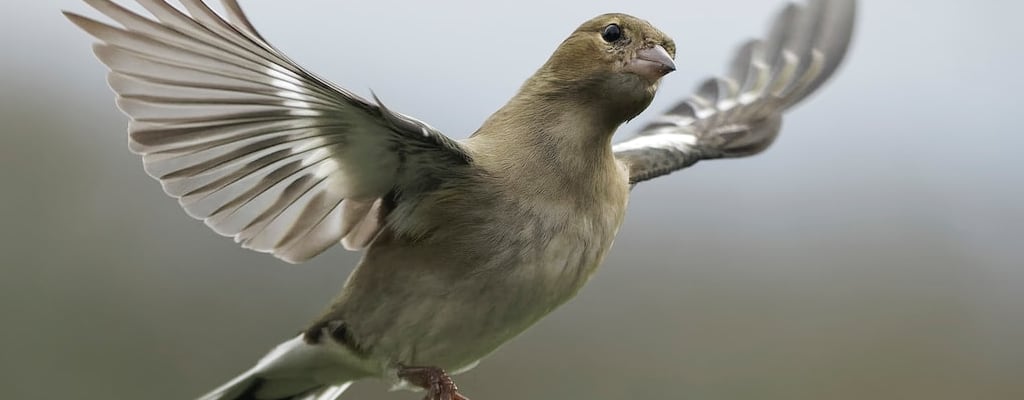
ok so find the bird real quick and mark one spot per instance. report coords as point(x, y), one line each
point(466, 243)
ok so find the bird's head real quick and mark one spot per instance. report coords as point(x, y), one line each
point(614, 61)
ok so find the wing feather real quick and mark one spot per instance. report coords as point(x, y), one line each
point(740, 114)
point(250, 142)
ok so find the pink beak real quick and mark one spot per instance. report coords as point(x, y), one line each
point(651, 63)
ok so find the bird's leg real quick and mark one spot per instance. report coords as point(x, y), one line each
point(438, 384)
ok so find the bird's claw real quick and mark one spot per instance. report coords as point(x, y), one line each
point(435, 381)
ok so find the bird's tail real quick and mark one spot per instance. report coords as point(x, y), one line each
point(294, 370)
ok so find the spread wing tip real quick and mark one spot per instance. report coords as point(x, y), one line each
point(740, 114)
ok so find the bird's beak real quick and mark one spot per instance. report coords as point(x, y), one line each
point(651, 63)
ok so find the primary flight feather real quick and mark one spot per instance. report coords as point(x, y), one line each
point(467, 243)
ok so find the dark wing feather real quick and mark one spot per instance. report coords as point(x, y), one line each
point(250, 142)
point(740, 114)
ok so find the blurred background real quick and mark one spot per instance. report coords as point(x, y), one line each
point(876, 251)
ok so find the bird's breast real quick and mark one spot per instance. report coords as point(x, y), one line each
point(558, 247)
point(566, 238)
point(496, 265)
point(570, 250)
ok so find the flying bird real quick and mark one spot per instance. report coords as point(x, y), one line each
point(466, 243)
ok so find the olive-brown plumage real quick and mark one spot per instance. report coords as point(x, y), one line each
point(467, 243)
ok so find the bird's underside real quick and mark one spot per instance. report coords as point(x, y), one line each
point(489, 229)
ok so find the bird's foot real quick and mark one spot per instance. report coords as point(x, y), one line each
point(438, 384)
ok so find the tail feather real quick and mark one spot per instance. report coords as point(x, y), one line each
point(254, 388)
point(294, 370)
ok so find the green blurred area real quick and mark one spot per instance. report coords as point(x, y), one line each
point(874, 253)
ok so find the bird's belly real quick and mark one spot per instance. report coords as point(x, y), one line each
point(449, 303)
point(506, 296)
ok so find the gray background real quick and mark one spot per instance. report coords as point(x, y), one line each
point(874, 252)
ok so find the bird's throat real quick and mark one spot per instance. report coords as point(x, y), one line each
point(549, 144)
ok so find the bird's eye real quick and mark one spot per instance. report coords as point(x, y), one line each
point(611, 33)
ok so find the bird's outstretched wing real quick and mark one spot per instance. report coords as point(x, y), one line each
point(251, 143)
point(740, 114)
